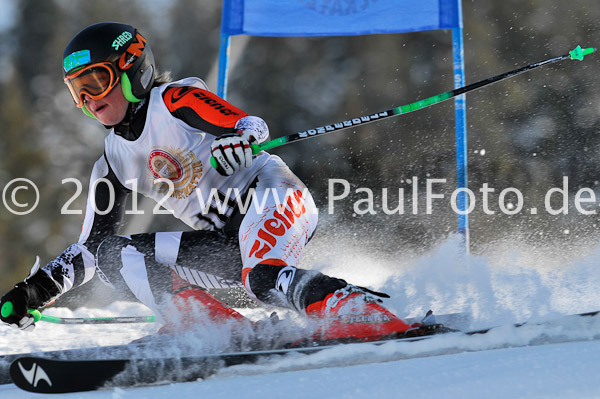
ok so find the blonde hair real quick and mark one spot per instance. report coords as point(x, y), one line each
point(161, 77)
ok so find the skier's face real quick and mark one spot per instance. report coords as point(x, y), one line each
point(110, 109)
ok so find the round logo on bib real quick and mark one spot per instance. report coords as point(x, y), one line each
point(181, 168)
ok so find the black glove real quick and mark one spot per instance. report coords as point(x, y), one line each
point(232, 152)
point(33, 293)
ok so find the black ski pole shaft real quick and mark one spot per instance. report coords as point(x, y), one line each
point(576, 54)
point(7, 310)
point(97, 320)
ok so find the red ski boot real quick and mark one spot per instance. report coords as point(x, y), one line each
point(351, 313)
point(192, 305)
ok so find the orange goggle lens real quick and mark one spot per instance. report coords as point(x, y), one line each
point(95, 80)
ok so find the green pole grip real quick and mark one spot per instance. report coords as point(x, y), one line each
point(213, 162)
point(7, 309)
point(255, 150)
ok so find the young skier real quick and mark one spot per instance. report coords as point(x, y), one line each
point(162, 136)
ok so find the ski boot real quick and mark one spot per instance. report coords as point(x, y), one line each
point(191, 305)
point(353, 314)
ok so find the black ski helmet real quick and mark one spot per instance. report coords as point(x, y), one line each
point(117, 43)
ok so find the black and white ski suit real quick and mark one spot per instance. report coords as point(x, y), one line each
point(247, 229)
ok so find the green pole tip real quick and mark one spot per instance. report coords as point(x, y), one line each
point(578, 53)
point(213, 162)
point(7, 309)
point(589, 50)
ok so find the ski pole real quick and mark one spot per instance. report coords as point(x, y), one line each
point(7, 310)
point(576, 54)
point(96, 320)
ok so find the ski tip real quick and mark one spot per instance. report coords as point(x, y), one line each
point(578, 53)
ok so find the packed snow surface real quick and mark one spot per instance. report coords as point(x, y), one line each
point(554, 357)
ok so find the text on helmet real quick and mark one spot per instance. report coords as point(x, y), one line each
point(121, 40)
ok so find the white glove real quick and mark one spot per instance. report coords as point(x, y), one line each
point(232, 152)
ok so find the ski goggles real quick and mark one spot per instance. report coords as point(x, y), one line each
point(95, 80)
